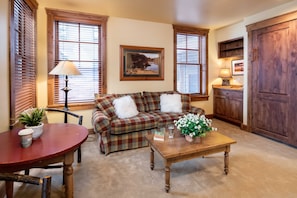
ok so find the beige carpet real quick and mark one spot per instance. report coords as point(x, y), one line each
point(259, 167)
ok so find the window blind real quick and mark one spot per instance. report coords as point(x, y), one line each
point(79, 43)
point(23, 57)
point(190, 60)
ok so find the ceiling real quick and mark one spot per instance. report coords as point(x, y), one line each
point(197, 13)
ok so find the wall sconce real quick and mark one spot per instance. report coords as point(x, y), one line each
point(225, 75)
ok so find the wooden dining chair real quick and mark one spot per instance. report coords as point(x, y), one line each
point(66, 115)
point(9, 178)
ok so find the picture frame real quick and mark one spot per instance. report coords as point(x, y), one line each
point(237, 67)
point(141, 63)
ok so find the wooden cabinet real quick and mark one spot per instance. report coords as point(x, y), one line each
point(231, 48)
point(227, 104)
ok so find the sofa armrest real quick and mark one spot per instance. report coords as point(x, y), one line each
point(100, 122)
point(197, 110)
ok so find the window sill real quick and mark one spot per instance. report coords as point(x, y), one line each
point(74, 106)
point(197, 97)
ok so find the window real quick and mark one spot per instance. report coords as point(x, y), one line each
point(79, 38)
point(191, 63)
point(22, 57)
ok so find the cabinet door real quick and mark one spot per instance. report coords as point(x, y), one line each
point(228, 105)
point(235, 109)
point(220, 105)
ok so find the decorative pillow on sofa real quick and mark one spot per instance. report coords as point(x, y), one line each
point(125, 107)
point(171, 103)
point(104, 103)
point(138, 99)
point(152, 99)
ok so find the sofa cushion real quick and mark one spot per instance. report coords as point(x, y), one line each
point(104, 104)
point(125, 107)
point(138, 99)
point(171, 103)
point(152, 99)
point(140, 122)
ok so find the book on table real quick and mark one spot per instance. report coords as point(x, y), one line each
point(159, 134)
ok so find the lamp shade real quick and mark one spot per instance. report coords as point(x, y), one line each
point(65, 68)
point(225, 73)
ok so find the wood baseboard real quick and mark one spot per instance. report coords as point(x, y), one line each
point(209, 116)
point(91, 131)
point(244, 127)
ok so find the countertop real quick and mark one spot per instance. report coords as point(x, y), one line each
point(230, 87)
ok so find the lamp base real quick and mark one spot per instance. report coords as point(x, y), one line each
point(225, 82)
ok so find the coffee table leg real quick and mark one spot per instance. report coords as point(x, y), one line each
point(167, 177)
point(226, 160)
point(152, 159)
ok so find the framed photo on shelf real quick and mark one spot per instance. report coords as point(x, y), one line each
point(141, 63)
point(237, 67)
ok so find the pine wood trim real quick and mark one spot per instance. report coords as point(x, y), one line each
point(272, 21)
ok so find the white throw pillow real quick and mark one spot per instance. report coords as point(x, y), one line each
point(171, 103)
point(125, 107)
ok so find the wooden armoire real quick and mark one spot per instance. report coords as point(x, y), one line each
point(272, 78)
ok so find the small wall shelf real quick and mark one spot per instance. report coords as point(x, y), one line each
point(231, 48)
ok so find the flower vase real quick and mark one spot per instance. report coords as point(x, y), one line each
point(188, 138)
point(193, 139)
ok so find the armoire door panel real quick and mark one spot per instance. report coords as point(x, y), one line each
point(272, 73)
point(293, 89)
point(271, 81)
point(272, 118)
point(274, 52)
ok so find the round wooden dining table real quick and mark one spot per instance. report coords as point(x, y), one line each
point(57, 144)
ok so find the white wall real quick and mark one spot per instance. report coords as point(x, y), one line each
point(4, 68)
point(122, 31)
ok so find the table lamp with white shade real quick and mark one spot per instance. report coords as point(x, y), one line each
point(225, 75)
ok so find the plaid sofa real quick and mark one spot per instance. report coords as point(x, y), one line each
point(115, 134)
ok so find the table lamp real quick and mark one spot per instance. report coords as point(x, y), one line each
point(225, 75)
point(65, 68)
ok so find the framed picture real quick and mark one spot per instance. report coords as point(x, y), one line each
point(141, 63)
point(237, 67)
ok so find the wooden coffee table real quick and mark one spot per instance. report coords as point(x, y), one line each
point(178, 149)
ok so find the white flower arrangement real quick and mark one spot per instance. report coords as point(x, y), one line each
point(194, 125)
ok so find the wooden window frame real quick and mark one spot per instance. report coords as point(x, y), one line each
point(202, 32)
point(54, 15)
